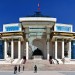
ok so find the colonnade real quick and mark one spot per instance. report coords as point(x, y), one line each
point(12, 49)
point(27, 53)
point(69, 49)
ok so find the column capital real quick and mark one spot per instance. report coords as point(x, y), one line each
point(62, 39)
point(11, 39)
point(27, 40)
point(19, 39)
point(69, 40)
point(5, 39)
point(48, 40)
point(55, 39)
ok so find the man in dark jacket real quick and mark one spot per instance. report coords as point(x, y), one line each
point(35, 69)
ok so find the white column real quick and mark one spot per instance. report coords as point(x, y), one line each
point(62, 48)
point(12, 49)
point(55, 48)
point(69, 52)
point(5, 49)
point(47, 50)
point(19, 49)
point(27, 51)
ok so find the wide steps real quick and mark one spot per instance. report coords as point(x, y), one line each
point(41, 64)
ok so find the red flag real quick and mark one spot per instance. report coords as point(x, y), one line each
point(38, 6)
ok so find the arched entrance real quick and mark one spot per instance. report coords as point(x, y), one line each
point(37, 54)
point(41, 45)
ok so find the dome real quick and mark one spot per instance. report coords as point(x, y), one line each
point(37, 14)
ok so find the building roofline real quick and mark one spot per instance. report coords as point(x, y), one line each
point(23, 19)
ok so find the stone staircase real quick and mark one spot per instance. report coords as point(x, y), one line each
point(41, 64)
point(6, 67)
point(44, 65)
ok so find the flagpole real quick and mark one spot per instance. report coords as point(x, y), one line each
point(38, 6)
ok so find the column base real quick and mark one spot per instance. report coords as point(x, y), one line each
point(48, 57)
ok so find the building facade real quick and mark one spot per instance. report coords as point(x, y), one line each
point(37, 35)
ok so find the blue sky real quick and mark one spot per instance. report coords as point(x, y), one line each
point(11, 10)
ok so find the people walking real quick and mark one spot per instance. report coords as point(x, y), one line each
point(23, 67)
point(50, 60)
point(19, 68)
point(15, 69)
point(35, 69)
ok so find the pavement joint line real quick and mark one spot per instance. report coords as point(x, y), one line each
point(39, 71)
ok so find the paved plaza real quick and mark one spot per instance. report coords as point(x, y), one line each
point(39, 73)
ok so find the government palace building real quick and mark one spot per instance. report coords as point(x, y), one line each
point(37, 37)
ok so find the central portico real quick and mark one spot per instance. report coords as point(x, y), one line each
point(38, 31)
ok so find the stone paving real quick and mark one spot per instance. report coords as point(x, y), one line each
point(39, 73)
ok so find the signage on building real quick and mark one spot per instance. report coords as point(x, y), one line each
point(11, 27)
point(63, 28)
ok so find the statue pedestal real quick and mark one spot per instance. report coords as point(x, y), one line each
point(37, 57)
point(66, 60)
point(8, 59)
